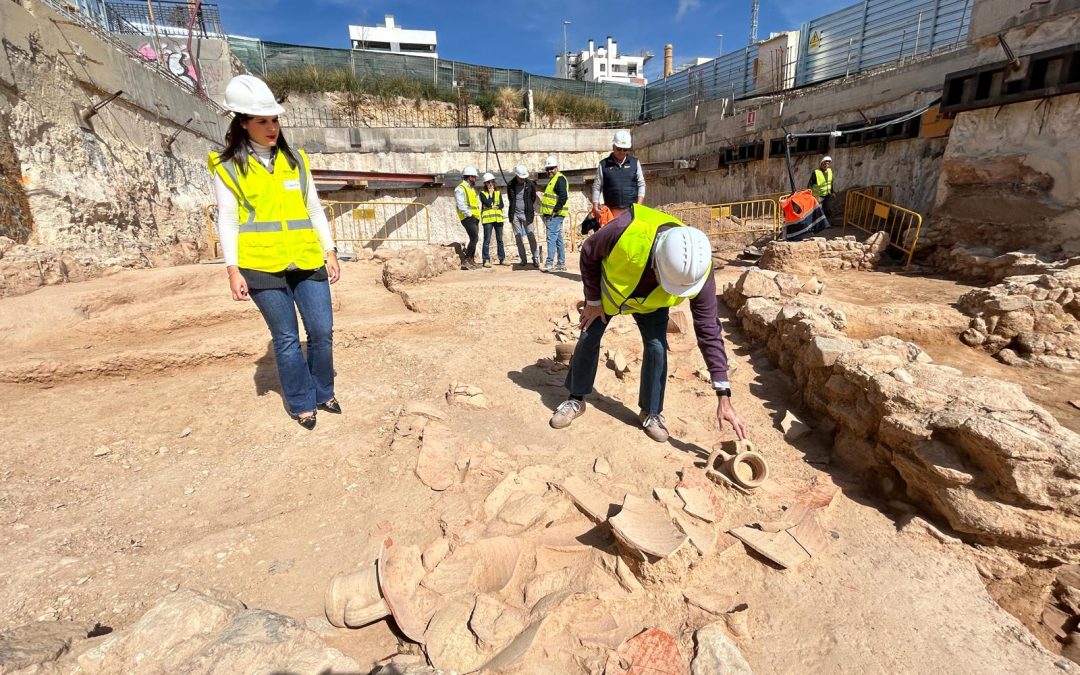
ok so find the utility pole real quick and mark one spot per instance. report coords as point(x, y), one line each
point(720, 47)
point(753, 22)
point(565, 56)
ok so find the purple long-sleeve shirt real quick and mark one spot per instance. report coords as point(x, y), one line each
point(703, 307)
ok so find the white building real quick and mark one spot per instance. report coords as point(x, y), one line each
point(391, 38)
point(699, 61)
point(605, 64)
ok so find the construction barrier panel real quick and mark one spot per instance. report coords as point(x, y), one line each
point(882, 192)
point(872, 215)
point(358, 225)
point(720, 220)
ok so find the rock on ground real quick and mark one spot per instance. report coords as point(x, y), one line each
point(716, 654)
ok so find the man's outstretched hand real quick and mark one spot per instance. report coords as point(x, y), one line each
point(725, 412)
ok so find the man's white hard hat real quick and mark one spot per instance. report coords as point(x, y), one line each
point(826, 158)
point(248, 95)
point(469, 171)
point(683, 260)
point(489, 176)
point(622, 139)
point(521, 171)
point(551, 162)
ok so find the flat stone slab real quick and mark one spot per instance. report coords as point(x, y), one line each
point(779, 547)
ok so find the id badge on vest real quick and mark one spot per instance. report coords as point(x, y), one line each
point(293, 184)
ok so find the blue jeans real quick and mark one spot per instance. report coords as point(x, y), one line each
point(653, 329)
point(555, 240)
point(305, 382)
point(498, 227)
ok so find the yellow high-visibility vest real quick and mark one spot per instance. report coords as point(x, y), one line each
point(822, 183)
point(621, 271)
point(471, 200)
point(494, 213)
point(275, 229)
point(547, 201)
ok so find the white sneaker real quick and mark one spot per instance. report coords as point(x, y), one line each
point(654, 427)
point(568, 411)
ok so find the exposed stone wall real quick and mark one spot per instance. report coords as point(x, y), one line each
point(1028, 320)
point(984, 264)
point(818, 254)
point(105, 199)
point(975, 450)
point(1010, 180)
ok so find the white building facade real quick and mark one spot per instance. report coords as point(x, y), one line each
point(390, 38)
point(604, 64)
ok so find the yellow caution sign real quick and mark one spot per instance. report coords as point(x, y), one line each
point(815, 40)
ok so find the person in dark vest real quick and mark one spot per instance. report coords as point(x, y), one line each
point(643, 263)
point(821, 184)
point(619, 178)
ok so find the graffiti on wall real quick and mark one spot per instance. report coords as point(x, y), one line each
point(176, 58)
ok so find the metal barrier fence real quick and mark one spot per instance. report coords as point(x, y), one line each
point(875, 33)
point(443, 75)
point(356, 224)
point(720, 220)
point(882, 192)
point(873, 215)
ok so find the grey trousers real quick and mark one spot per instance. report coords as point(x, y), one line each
point(521, 231)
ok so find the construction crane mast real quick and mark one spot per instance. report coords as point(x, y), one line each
point(753, 22)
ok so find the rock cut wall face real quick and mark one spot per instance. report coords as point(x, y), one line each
point(104, 199)
point(1010, 180)
point(975, 450)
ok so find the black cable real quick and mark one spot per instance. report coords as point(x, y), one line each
point(495, 149)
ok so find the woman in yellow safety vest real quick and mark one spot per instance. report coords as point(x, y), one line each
point(491, 215)
point(274, 236)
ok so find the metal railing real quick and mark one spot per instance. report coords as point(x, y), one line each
point(366, 224)
point(872, 215)
point(167, 17)
point(760, 215)
point(882, 192)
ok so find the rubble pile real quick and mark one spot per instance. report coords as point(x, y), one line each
point(998, 468)
point(1028, 320)
point(412, 265)
point(983, 264)
point(817, 255)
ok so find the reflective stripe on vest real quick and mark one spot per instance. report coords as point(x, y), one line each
point(275, 229)
point(549, 198)
point(822, 183)
point(493, 214)
point(621, 270)
point(472, 200)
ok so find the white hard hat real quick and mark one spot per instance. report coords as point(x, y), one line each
point(248, 95)
point(683, 260)
point(521, 171)
point(489, 176)
point(469, 171)
point(622, 139)
point(826, 158)
point(551, 162)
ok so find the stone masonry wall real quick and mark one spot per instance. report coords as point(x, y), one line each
point(974, 450)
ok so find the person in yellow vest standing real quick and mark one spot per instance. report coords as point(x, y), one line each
point(553, 211)
point(278, 248)
point(469, 211)
point(491, 215)
point(821, 184)
point(642, 263)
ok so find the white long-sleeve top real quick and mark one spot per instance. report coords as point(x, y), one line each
point(228, 219)
point(462, 202)
point(598, 182)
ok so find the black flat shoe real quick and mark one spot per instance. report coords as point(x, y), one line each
point(307, 422)
point(331, 406)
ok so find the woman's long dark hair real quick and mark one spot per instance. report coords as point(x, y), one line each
point(236, 144)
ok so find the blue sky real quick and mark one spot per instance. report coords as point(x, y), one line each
point(527, 35)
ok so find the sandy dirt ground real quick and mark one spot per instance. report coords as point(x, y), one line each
point(146, 448)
